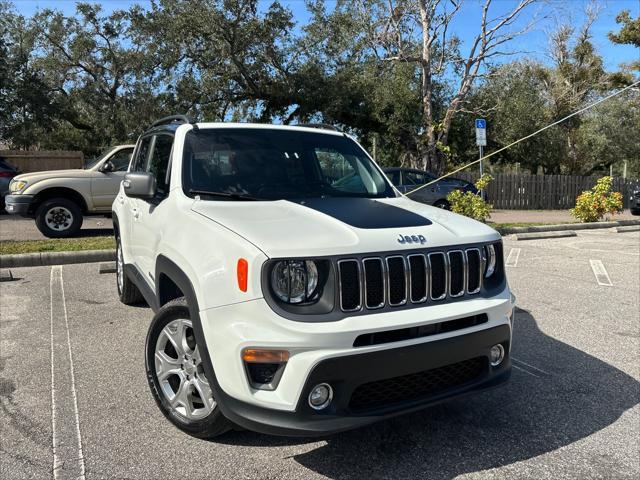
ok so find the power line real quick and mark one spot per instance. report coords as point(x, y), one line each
point(527, 137)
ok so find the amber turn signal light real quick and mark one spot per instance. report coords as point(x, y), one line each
point(243, 274)
point(261, 355)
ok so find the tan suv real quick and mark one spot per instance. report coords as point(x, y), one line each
point(59, 199)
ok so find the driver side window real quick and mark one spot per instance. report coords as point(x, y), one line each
point(121, 160)
point(339, 171)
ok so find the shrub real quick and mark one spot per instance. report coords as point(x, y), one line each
point(594, 204)
point(470, 204)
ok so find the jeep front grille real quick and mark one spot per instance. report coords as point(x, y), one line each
point(395, 280)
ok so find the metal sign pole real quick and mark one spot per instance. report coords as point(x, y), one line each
point(481, 141)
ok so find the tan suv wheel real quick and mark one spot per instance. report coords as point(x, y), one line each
point(58, 218)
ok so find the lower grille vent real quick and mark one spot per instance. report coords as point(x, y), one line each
point(402, 334)
point(415, 386)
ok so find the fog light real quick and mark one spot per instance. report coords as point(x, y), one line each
point(496, 355)
point(320, 396)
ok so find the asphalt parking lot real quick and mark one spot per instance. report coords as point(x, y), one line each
point(570, 411)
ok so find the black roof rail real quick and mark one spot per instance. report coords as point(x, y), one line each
point(324, 126)
point(172, 119)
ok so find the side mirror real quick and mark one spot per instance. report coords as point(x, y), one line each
point(139, 185)
point(107, 167)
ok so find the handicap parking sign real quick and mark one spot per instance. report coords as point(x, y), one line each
point(481, 123)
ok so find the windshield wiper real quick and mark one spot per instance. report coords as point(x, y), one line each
point(235, 196)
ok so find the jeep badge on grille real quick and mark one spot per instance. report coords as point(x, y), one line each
point(407, 239)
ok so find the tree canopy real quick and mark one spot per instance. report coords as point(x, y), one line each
point(394, 73)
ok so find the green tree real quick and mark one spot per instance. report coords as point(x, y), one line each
point(606, 133)
point(25, 103)
point(515, 101)
point(420, 35)
point(95, 73)
point(223, 58)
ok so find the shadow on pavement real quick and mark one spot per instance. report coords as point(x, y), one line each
point(530, 416)
point(94, 232)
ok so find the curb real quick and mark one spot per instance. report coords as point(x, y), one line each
point(56, 258)
point(628, 228)
point(541, 235)
point(92, 256)
point(567, 226)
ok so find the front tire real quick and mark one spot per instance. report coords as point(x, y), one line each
point(127, 290)
point(58, 218)
point(175, 374)
point(635, 211)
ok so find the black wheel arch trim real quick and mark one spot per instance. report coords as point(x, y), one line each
point(116, 224)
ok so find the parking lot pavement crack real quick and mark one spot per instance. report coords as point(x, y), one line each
point(68, 460)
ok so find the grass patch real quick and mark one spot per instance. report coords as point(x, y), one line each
point(8, 247)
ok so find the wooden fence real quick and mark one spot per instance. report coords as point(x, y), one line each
point(542, 192)
point(35, 161)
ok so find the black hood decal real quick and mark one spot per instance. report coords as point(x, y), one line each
point(365, 212)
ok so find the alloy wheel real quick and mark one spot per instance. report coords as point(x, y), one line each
point(120, 267)
point(180, 371)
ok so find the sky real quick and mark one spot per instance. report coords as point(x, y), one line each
point(534, 43)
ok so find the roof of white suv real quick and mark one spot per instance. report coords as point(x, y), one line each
point(267, 126)
point(173, 122)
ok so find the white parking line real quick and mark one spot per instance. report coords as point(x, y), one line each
point(602, 277)
point(530, 366)
point(68, 460)
point(525, 371)
point(512, 259)
point(56, 461)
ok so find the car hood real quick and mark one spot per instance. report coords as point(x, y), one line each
point(34, 177)
point(342, 226)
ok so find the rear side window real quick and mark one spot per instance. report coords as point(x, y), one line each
point(159, 162)
point(414, 178)
point(394, 177)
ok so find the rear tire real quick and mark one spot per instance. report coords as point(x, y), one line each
point(58, 218)
point(176, 375)
point(127, 291)
point(635, 211)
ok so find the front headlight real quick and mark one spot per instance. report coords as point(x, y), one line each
point(490, 253)
point(16, 186)
point(295, 281)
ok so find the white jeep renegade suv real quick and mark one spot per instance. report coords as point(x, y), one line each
point(295, 291)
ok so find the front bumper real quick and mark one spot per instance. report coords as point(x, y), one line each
point(325, 352)
point(379, 373)
point(18, 204)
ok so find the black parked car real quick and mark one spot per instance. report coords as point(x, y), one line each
point(407, 179)
point(634, 203)
point(7, 172)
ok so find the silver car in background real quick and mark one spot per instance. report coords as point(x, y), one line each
point(408, 179)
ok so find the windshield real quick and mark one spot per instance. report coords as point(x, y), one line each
point(274, 164)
